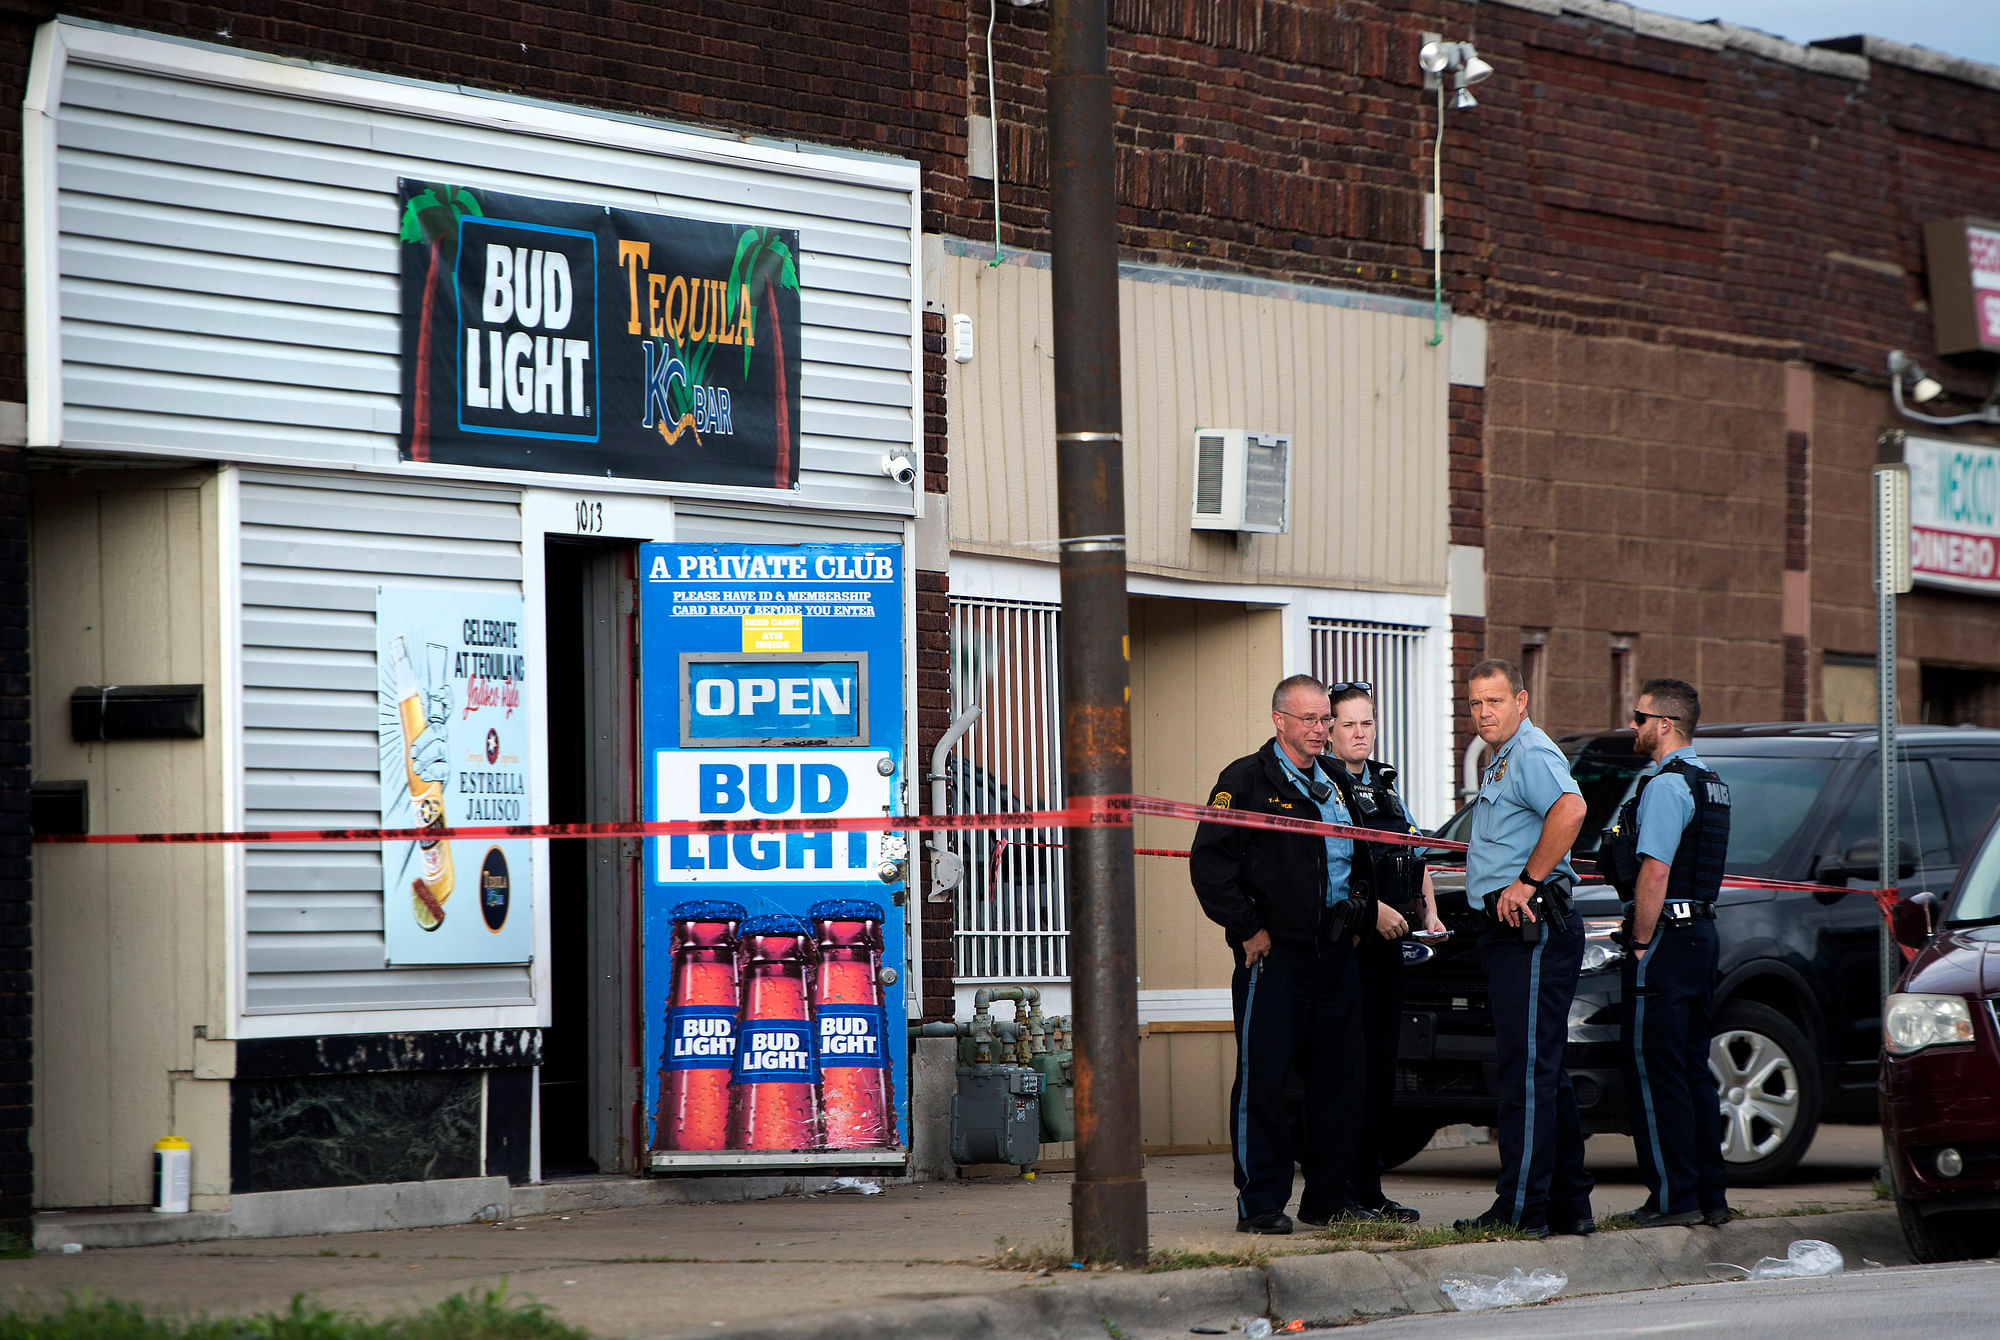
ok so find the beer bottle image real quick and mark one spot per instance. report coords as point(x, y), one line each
point(856, 1101)
point(774, 1085)
point(427, 894)
point(693, 1111)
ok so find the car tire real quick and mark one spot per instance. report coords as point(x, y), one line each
point(1767, 1077)
point(1964, 1236)
point(1405, 1141)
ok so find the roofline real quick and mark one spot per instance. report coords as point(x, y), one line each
point(1839, 57)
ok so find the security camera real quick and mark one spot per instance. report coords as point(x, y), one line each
point(899, 468)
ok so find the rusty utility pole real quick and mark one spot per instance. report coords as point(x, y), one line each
point(1108, 1204)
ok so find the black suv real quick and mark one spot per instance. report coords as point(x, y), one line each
point(1797, 1026)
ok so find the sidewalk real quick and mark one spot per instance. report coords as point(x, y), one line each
point(740, 1268)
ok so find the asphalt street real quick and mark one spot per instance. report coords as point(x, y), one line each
point(1942, 1301)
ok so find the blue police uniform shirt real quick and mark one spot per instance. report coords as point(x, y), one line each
point(1523, 781)
point(1333, 810)
point(1666, 807)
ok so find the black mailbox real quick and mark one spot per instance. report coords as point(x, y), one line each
point(136, 712)
point(59, 807)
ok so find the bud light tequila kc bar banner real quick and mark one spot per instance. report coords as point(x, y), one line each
point(580, 339)
point(773, 962)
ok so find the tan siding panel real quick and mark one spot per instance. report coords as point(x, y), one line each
point(1360, 391)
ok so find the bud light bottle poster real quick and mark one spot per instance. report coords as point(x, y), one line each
point(451, 679)
point(772, 687)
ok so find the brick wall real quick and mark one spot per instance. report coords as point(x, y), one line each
point(933, 685)
point(17, 1171)
point(1933, 625)
point(1636, 490)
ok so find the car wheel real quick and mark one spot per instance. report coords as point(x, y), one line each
point(1964, 1236)
point(1767, 1077)
point(1406, 1141)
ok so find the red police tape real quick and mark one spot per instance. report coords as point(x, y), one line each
point(1081, 812)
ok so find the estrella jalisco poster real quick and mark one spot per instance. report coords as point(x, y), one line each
point(451, 672)
point(581, 339)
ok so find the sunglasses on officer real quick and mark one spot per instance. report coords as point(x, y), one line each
point(1641, 718)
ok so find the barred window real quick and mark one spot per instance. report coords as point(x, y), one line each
point(1013, 902)
point(1390, 657)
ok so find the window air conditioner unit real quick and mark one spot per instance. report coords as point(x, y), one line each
point(1242, 480)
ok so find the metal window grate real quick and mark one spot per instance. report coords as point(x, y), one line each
point(1013, 903)
point(1389, 656)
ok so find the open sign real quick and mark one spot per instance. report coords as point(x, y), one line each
point(765, 699)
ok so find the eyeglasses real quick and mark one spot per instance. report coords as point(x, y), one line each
point(1343, 685)
point(1309, 721)
point(1640, 718)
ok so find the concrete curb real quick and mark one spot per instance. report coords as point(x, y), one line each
point(1341, 1287)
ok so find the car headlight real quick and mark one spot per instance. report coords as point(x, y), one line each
point(1912, 1022)
point(1598, 951)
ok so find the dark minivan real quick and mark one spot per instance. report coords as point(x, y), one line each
point(1798, 1019)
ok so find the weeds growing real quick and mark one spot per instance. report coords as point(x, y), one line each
point(485, 1316)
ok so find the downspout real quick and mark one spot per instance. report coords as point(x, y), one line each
point(946, 867)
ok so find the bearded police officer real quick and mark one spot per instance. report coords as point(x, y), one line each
point(1517, 874)
point(1284, 904)
point(1665, 856)
point(1395, 877)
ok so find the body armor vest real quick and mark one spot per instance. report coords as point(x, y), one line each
point(1697, 868)
point(1393, 874)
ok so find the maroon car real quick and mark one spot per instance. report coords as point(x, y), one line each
point(1940, 1074)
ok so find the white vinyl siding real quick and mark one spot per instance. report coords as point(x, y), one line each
point(229, 259)
point(314, 550)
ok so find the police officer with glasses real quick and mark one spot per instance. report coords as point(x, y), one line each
point(1517, 874)
point(1404, 901)
point(1283, 902)
point(1665, 856)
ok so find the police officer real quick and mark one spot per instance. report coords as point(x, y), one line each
point(1282, 900)
point(1395, 877)
point(1517, 874)
point(1665, 855)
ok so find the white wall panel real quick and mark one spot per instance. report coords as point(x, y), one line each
point(314, 549)
point(228, 259)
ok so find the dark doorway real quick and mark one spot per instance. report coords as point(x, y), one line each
point(589, 1065)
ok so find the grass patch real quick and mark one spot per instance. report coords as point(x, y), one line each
point(486, 1316)
point(1195, 1258)
point(15, 1247)
point(1883, 1191)
point(1408, 1237)
point(1031, 1258)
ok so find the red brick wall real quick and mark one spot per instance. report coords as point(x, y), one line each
point(1636, 490)
point(1932, 625)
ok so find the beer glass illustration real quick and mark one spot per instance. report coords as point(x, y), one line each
point(429, 892)
point(693, 1111)
point(856, 1102)
point(774, 1087)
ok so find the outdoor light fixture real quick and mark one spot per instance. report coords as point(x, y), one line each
point(1925, 388)
point(1437, 56)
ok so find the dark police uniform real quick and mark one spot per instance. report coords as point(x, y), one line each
point(1680, 817)
point(1298, 1005)
point(1393, 875)
point(1542, 1181)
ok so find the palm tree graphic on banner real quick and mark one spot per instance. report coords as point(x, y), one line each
point(432, 216)
point(764, 265)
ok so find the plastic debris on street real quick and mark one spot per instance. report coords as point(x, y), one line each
point(1471, 1293)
